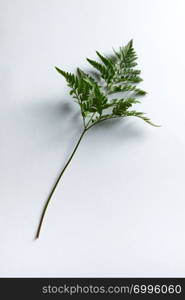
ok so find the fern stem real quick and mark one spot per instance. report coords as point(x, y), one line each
point(55, 185)
point(101, 120)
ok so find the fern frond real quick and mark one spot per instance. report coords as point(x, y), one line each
point(89, 79)
point(128, 55)
point(116, 74)
point(121, 88)
point(101, 68)
point(93, 98)
point(106, 70)
point(70, 78)
point(122, 105)
point(107, 62)
point(140, 115)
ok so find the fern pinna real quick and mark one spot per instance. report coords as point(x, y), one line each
point(108, 93)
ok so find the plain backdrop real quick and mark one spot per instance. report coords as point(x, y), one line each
point(120, 207)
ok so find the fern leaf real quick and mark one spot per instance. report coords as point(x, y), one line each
point(70, 78)
point(141, 116)
point(128, 55)
point(119, 75)
point(98, 66)
point(122, 105)
point(107, 62)
point(121, 88)
point(106, 73)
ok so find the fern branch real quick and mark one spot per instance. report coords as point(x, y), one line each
point(114, 75)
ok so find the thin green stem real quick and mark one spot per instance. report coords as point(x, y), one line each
point(101, 120)
point(90, 119)
point(55, 185)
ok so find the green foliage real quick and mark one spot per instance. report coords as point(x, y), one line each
point(116, 74)
point(95, 92)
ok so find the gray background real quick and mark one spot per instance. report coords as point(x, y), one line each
point(119, 210)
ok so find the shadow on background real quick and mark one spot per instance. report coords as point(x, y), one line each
point(53, 119)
